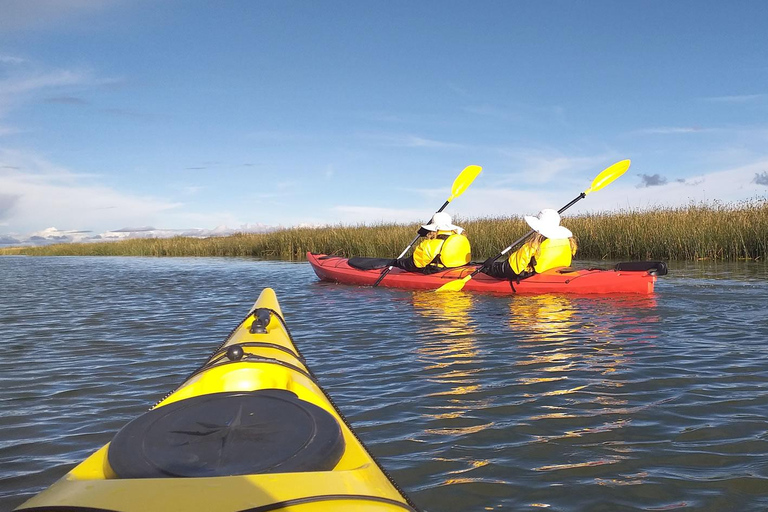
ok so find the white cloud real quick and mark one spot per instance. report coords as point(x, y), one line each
point(53, 235)
point(44, 191)
point(729, 185)
point(540, 166)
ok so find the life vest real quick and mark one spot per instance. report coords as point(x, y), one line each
point(445, 251)
point(552, 254)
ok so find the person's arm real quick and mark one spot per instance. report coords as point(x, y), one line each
point(520, 260)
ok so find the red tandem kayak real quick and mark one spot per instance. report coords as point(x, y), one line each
point(633, 277)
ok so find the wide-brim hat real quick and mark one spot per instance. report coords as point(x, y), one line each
point(547, 222)
point(441, 221)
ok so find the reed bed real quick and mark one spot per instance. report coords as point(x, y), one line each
point(714, 231)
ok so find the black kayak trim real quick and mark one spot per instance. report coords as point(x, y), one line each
point(280, 505)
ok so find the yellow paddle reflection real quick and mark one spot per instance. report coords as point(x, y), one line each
point(448, 314)
point(574, 347)
point(450, 355)
point(547, 366)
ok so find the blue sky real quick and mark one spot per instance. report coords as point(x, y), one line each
point(117, 116)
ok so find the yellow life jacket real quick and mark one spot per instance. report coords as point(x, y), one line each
point(552, 254)
point(453, 251)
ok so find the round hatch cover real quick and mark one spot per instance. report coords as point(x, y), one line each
point(240, 433)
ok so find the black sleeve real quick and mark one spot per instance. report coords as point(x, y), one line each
point(407, 264)
point(500, 269)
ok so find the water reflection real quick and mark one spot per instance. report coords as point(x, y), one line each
point(577, 354)
point(448, 313)
point(449, 352)
point(453, 363)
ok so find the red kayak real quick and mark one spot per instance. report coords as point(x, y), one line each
point(632, 277)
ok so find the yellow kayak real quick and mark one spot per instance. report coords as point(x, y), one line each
point(250, 430)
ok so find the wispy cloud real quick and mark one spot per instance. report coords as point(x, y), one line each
point(8, 130)
point(461, 91)
point(190, 189)
point(409, 141)
point(29, 82)
point(492, 111)
point(11, 59)
point(413, 141)
point(537, 166)
point(33, 81)
point(742, 98)
point(66, 100)
point(670, 130)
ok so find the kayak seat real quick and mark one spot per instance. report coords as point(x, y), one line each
point(224, 434)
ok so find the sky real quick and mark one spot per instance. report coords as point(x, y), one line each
point(123, 118)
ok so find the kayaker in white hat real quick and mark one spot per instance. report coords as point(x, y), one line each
point(552, 246)
point(444, 246)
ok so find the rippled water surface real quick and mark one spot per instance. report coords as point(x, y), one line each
point(472, 402)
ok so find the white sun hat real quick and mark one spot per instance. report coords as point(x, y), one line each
point(547, 222)
point(441, 221)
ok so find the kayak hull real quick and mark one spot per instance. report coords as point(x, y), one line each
point(585, 281)
point(259, 361)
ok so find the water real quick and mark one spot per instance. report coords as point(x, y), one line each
point(472, 402)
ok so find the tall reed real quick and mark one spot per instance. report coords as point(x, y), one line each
point(715, 231)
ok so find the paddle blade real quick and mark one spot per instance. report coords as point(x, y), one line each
point(455, 286)
point(464, 180)
point(608, 176)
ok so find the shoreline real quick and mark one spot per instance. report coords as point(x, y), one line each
point(716, 231)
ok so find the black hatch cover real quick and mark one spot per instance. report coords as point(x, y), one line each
point(221, 434)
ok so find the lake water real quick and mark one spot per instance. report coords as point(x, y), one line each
point(472, 402)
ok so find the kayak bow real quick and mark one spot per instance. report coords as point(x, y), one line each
point(250, 430)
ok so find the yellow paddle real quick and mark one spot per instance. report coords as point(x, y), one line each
point(460, 184)
point(601, 180)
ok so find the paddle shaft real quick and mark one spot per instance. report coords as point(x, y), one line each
point(489, 261)
point(386, 271)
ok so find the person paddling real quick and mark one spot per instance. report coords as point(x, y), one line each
point(552, 246)
point(443, 247)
